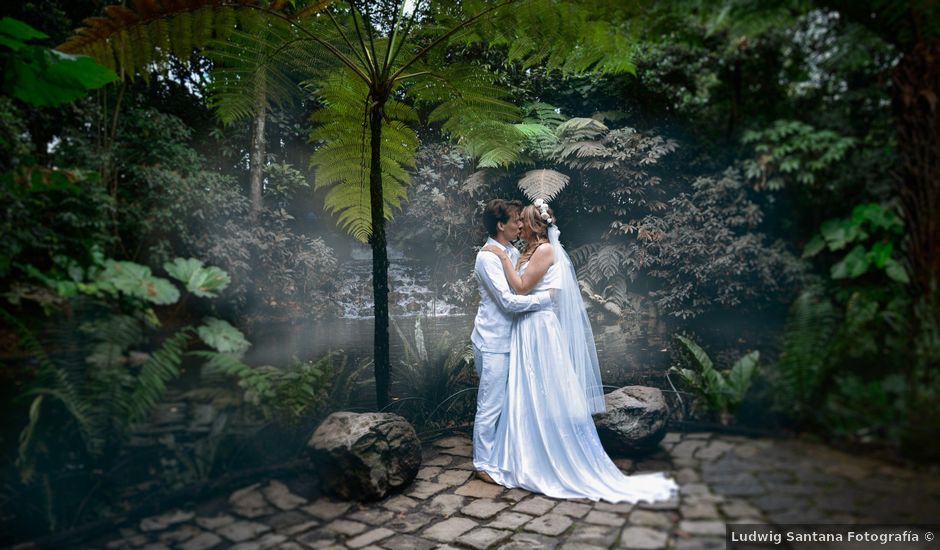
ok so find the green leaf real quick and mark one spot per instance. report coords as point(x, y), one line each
point(222, 337)
point(896, 271)
point(44, 77)
point(814, 246)
point(136, 280)
point(739, 379)
point(880, 253)
point(19, 31)
point(854, 264)
point(204, 282)
point(701, 358)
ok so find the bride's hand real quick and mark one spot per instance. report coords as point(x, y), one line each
point(495, 250)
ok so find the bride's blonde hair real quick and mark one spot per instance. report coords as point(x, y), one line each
point(533, 222)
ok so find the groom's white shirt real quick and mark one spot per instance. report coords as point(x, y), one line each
point(498, 303)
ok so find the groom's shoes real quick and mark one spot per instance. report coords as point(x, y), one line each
point(485, 477)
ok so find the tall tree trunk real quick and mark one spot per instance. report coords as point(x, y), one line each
point(379, 257)
point(916, 99)
point(256, 154)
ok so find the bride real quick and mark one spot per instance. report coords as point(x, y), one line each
point(546, 441)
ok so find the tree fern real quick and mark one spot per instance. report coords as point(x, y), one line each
point(342, 160)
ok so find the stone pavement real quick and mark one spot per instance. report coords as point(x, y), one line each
point(723, 479)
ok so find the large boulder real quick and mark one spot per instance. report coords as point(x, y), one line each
point(635, 421)
point(365, 456)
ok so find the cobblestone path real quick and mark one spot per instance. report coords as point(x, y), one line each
point(723, 479)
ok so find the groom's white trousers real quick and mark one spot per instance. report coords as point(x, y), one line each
point(493, 370)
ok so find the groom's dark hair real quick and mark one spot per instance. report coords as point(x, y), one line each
point(498, 211)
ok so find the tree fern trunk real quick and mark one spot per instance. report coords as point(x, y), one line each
point(916, 89)
point(256, 154)
point(379, 257)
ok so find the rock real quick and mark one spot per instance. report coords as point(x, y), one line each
point(365, 456)
point(635, 421)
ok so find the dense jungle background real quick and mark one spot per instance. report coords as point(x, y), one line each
point(222, 221)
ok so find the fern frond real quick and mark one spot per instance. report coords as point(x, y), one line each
point(543, 184)
point(342, 161)
point(807, 337)
point(161, 367)
point(133, 41)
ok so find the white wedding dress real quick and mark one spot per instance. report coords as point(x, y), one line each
point(546, 441)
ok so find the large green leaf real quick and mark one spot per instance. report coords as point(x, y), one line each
point(741, 374)
point(205, 282)
point(136, 280)
point(222, 337)
point(702, 359)
point(44, 77)
point(854, 264)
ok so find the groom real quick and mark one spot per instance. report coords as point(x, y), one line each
point(491, 328)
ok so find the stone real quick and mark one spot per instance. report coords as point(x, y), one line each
point(573, 509)
point(214, 523)
point(646, 518)
point(484, 537)
point(440, 460)
point(409, 523)
point(479, 489)
point(364, 456)
point(287, 519)
point(400, 503)
point(643, 538)
point(453, 477)
point(618, 508)
point(424, 489)
point(483, 508)
point(535, 506)
point(372, 516)
point(269, 540)
point(550, 525)
point(279, 495)
point(687, 475)
point(249, 502)
point(713, 450)
point(599, 535)
point(739, 509)
point(516, 495)
point(668, 504)
point(509, 520)
point(465, 451)
point(635, 421)
point(202, 541)
point(181, 534)
point(407, 542)
point(345, 527)
point(449, 529)
point(701, 543)
point(699, 510)
point(702, 528)
point(317, 538)
point(369, 537)
point(326, 509)
point(428, 473)
point(162, 521)
point(525, 541)
point(604, 518)
point(686, 449)
point(298, 528)
point(451, 442)
point(446, 505)
point(240, 531)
